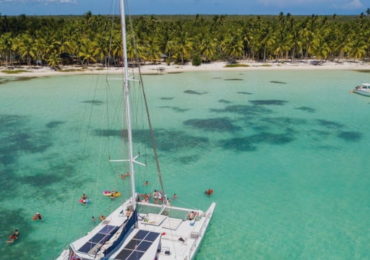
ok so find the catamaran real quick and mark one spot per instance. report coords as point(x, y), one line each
point(142, 229)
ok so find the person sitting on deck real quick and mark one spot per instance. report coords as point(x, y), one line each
point(157, 196)
point(192, 215)
point(146, 197)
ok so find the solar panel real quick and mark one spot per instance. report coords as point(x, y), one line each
point(151, 236)
point(100, 238)
point(124, 254)
point(132, 244)
point(141, 234)
point(137, 246)
point(144, 245)
point(87, 247)
point(135, 255)
point(107, 229)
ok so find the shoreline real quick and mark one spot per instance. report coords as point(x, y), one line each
point(162, 68)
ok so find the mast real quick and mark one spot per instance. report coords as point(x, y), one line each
point(126, 92)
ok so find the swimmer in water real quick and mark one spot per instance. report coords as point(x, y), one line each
point(209, 192)
point(125, 175)
point(14, 236)
point(37, 216)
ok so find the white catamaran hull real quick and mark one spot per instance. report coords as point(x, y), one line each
point(179, 238)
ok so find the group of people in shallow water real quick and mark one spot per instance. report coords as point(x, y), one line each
point(157, 196)
point(15, 234)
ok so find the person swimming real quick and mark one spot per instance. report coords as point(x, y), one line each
point(209, 192)
point(125, 175)
point(84, 199)
point(37, 216)
point(14, 236)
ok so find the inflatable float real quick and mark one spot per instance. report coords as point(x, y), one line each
point(113, 194)
point(84, 202)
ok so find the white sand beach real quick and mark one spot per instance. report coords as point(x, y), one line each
point(244, 65)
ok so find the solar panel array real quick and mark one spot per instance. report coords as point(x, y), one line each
point(99, 239)
point(138, 245)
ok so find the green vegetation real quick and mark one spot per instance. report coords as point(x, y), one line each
point(236, 65)
point(13, 71)
point(91, 39)
point(71, 70)
point(196, 60)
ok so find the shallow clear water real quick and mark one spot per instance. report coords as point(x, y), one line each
point(287, 153)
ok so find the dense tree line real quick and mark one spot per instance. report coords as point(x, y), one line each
point(92, 39)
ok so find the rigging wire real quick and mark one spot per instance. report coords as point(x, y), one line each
point(151, 130)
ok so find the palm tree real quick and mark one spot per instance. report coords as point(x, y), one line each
point(5, 48)
point(87, 51)
point(93, 39)
point(233, 46)
point(208, 47)
point(54, 60)
point(23, 46)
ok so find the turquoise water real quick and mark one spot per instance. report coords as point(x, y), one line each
point(287, 153)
